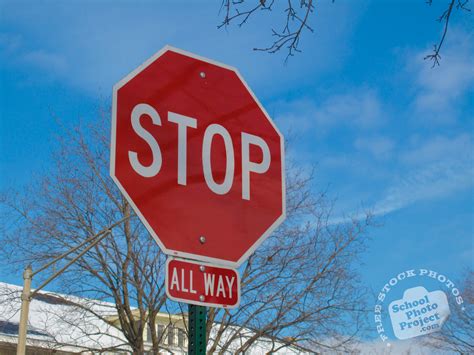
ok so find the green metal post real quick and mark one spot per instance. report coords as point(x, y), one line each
point(197, 341)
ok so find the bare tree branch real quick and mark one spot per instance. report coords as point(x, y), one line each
point(445, 17)
point(296, 21)
point(297, 15)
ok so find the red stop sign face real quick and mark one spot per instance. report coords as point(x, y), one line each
point(197, 157)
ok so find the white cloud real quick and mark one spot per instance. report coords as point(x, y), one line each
point(15, 51)
point(45, 60)
point(437, 167)
point(360, 108)
point(101, 43)
point(379, 147)
point(431, 168)
point(294, 117)
point(432, 181)
point(439, 148)
point(440, 90)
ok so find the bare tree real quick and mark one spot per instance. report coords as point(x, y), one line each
point(297, 16)
point(76, 200)
point(457, 334)
point(299, 288)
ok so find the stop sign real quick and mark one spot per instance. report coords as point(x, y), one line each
point(197, 157)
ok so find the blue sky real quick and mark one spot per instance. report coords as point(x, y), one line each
point(387, 131)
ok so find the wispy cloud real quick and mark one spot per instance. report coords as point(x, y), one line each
point(439, 91)
point(380, 147)
point(439, 148)
point(434, 168)
point(15, 52)
point(101, 43)
point(423, 168)
point(432, 181)
point(429, 169)
point(45, 60)
point(360, 107)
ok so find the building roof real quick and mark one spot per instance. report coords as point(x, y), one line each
point(74, 324)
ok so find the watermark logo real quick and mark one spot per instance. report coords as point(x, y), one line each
point(419, 312)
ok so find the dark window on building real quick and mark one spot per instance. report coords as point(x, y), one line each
point(148, 333)
point(181, 337)
point(160, 333)
point(171, 336)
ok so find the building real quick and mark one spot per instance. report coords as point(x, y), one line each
point(63, 324)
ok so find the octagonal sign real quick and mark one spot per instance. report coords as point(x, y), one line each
point(197, 157)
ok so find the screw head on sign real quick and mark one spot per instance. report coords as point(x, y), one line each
point(201, 298)
point(202, 239)
point(202, 268)
point(202, 74)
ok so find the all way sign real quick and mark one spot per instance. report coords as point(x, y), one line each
point(202, 164)
point(202, 284)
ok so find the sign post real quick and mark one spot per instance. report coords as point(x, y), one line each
point(202, 164)
point(25, 305)
point(197, 341)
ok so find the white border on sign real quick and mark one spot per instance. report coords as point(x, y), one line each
point(197, 302)
point(171, 252)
